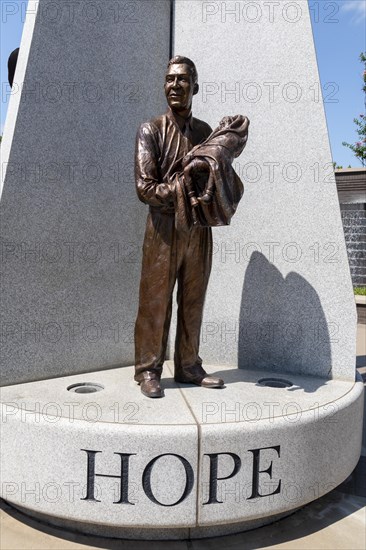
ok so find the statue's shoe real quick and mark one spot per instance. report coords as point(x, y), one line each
point(151, 388)
point(198, 376)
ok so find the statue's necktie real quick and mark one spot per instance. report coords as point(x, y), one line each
point(187, 131)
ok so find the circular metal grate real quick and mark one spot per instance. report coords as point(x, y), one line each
point(85, 387)
point(275, 383)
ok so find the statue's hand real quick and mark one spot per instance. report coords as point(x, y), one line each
point(199, 165)
point(196, 168)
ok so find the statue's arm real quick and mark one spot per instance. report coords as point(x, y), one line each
point(149, 189)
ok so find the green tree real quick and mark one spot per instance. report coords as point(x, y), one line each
point(359, 148)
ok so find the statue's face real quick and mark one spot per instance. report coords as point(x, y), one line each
point(179, 87)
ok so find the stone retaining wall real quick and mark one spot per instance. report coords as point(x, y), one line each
point(351, 187)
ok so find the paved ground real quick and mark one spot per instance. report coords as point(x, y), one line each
point(336, 521)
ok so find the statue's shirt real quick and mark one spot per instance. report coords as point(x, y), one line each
point(161, 144)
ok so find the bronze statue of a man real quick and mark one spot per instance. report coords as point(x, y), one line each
point(170, 254)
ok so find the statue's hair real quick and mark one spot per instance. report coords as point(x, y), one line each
point(179, 59)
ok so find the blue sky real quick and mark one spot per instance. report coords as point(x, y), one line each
point(339, 34)
point(338, 46)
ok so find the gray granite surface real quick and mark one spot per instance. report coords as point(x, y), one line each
point(297, 433)
point(71, 223)
point(280, 295)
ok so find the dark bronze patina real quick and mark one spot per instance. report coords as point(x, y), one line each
point(183, 172)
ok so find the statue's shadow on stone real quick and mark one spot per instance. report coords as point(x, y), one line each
point(282, 329)
point(282, 325)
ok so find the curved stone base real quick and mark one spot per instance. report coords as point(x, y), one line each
point(131, 533)
point(197, 463)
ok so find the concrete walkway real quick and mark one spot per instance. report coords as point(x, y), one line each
point(335, 521)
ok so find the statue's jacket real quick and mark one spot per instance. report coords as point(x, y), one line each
point(162, 151)
point(161, 147)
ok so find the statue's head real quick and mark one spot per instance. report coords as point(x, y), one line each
point(180, 83)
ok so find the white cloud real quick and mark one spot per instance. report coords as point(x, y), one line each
point(356, 9)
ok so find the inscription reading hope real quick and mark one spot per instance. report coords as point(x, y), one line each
point(214, 475)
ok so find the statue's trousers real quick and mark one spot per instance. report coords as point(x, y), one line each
point(170, 255)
